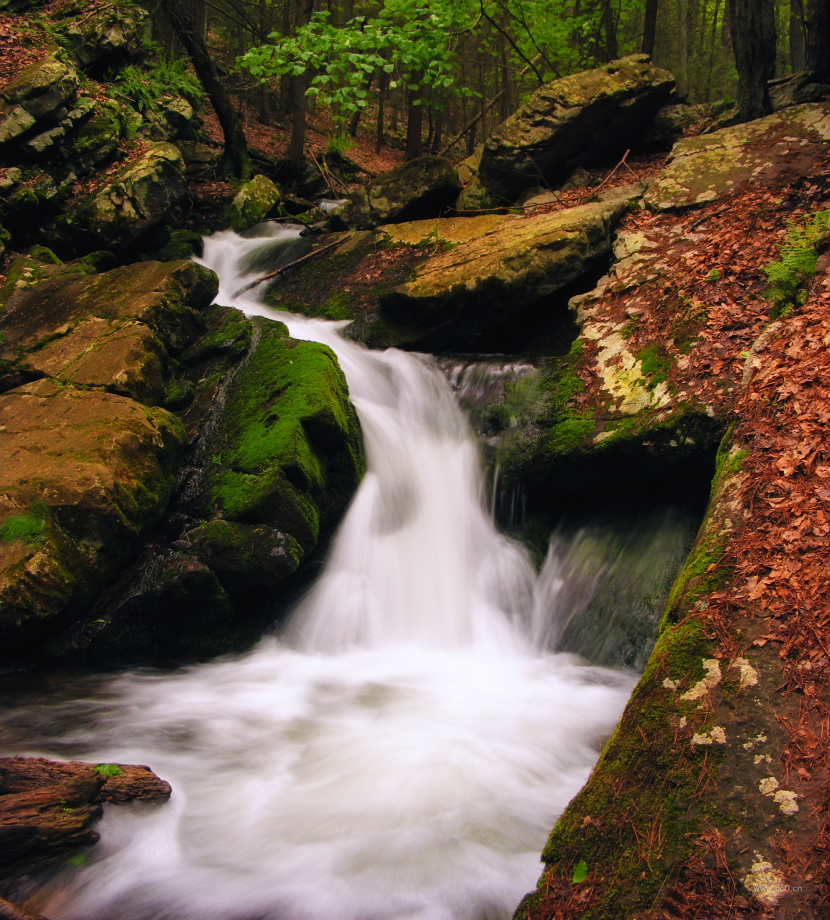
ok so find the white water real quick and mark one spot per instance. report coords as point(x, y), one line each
point(402, 752)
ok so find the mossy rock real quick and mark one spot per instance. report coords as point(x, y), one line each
point(287, 449)
point(97, 483)
point(579, 120)
point(243, 556)
point(252, 203)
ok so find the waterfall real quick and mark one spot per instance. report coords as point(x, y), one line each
point(400, 751)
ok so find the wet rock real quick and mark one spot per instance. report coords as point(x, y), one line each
point(420, 189)
point(287, 449)
point(703, 169)
point(494, 267)
point(243, 556)
point(138, 199)
point(47, 807)
point(252, 203)
point(796, 89)
point(575, 121)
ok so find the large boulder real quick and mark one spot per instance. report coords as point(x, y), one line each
point(418, 190)
point(704, 169)
point(138, 199)
point(493, 267)
point(580, 120)
point(796, 89)
point(87, 464)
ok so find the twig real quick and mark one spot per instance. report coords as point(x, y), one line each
point(594, 189)
point(306, 258)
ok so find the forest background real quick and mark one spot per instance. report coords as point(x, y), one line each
point(438, 75)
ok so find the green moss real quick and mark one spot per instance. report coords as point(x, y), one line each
point(289, 448)
point(30, 528)
point(656, 365)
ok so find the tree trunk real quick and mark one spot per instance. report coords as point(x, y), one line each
point(414, 130)
point(609, 27)
point(299, 85)
point(236, 160)
point(817, 19)
point(752, 25)
point(650, 28)
point(382, 95)
point(439, 130)
point(798, 43)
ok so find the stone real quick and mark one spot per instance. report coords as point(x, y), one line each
point(706, 168)
point(287, 449)
point(252, 203)
point(47, 807)
point(420, 189)
point(14, 122)
point(138, 199)
point(199, 159)
point(95, 134)
point(176, 117)
point(796, 89)
point(580, 120)
point(42, 142)
point(242, 555)
point(110, 36)
point(494, 267)
point(41, 89)
point(84, 473)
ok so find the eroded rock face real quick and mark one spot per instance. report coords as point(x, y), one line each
point(419, 189)
point(703, 169)
point(38, 92)
point(494, 267)
point(111, 35)
point(575, 121)
point(47, 807)
point(137, 200)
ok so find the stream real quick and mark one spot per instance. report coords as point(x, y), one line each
point(402, 748)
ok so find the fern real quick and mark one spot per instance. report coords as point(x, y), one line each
point(799, 255)
point(166, 77)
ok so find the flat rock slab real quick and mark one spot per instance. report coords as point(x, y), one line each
point(47, 807)
point(703, 169)
point(494, 266)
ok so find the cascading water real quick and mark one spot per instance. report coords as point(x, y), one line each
point(402, 750)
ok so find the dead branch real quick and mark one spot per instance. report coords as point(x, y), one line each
point(301, 261)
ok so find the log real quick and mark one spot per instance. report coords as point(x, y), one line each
point(306, 258)
point(9, 911)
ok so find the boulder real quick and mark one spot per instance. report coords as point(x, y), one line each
point(84, 474)
point(251, 204)
point(286, 451)
point(109, 36)
point(494, 267)
point(39, 91)
point(579, 120)
point(420, 189)
point(139, 198)
point(796, 89)
point(703, 169)
point(199, 159)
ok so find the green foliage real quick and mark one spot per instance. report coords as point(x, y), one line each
point(580, 872)
point(799, 255)
point(77, 860)
point(108, 769)
point(143, 87)
point(713, 275)
point(411, 41)
point(339, 146)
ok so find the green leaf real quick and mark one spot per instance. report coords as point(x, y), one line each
point(108, 769)
point(580, 872)
point(77, 860)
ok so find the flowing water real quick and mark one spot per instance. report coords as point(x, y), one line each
point(401, 750)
